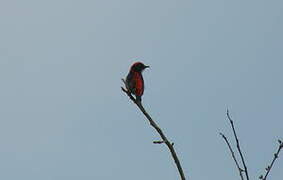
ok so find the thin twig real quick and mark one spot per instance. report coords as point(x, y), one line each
point(162, 135)
point(233, 155)
point(158, 142)
point(268, 168)
point(238, 145)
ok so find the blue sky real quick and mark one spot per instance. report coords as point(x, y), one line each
point(63, 115)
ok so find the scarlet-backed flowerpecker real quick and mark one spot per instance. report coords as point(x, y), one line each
point(134, 80)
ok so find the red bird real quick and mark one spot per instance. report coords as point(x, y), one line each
point(134, 80)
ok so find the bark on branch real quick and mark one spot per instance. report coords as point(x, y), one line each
point(160, 132)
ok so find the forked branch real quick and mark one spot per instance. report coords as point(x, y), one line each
point(241, 170)
point(238, 145)
point(233, 156)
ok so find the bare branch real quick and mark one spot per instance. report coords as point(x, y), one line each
point(233, 155)
point(238, 145)
point(162, 135)
point(268, 168)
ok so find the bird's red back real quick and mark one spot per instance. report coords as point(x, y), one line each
point(139, 84)
point(134, 80)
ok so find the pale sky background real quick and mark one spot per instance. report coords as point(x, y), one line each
point(64, 117)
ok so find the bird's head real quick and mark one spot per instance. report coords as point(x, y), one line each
point(138, 67)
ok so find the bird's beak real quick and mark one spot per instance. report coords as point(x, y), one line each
point(146, 67)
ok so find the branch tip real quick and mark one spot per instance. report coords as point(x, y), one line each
point(221, 134)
